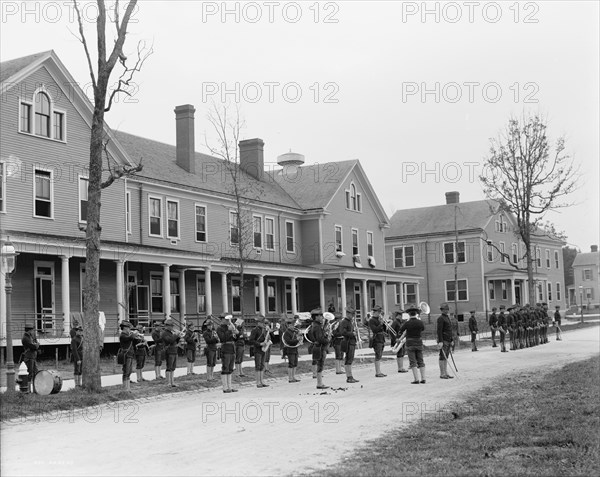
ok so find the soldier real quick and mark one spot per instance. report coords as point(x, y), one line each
point(77, 352)
point(444, 340)
point(170, 340)
point(127, 343)
point(378, 329)
point(557, 321)
point(502, 328)
point(210, 350)
point(545, 322)
point(348, 332)
point(258, 336)
point(511, 322)
point(227, 333)
point(191, 345)
point(473, 329)
point(522, 327)
point(240, 346)
point(141, 350)
point(320, 341)
point(455, 331)
point(413, 328)
point(336, 342)
point(493, 322)
point(396, 325)
point(159, 347)
point(30, 351)
point(291, 341)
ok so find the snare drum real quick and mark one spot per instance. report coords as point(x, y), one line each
point(47, 382)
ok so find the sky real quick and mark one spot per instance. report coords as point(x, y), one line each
point(414, 90)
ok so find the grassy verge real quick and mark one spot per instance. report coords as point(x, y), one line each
point(536, 424)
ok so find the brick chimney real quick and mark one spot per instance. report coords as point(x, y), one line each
point(252, 157)
point(594, 248)
point(185, 155)
point(452, 197)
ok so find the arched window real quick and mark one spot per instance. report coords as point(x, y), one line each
point(353, 196)
point(42, 115)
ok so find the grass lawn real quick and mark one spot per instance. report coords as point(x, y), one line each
point(535, 424)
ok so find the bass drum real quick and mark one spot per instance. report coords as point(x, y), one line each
point(47, 382)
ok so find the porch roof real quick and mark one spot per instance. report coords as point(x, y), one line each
point(512, 274)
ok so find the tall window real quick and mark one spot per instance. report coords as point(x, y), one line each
point(42, 115)
point(355, 250)
point(501, 224)
point(540, 290)
point(172, 219)
point(556, 259)
point(404, 257)
point(397, 293)
point(257, 295)
point(2, 186)
point(353, 201)
point(454, 252)
point(557, 291)
point(269, 233)
point(83, 198)
point(156, 289)
point(504, 290)
point(490, 253)
point(271, 296)
point(26, 117)
point(491, 290)
point(538, 257)
point(128, 211)
point(339, 247)
point(234, 230)
point(547, 258)
point(502, 253)
point(370, 246)
point(515, 253)
point(236, 304)
point(43, 194)
point(155, 216)
point(59, 127)
point(257, 231)
point(288, 296)
point(290, 243)
point(587, 274)
point(410, 292)
point(200, 223)
point(201, 293)
point(174, 295)
point(549, 288)
point(463, 290)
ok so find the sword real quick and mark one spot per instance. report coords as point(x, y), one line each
point(446, 357)
point(452, 356)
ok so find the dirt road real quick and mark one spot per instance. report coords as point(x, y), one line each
point(248, 432)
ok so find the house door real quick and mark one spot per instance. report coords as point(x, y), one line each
point(372, 301)
point(357, 300)
point(44, 296)
point(517, 293)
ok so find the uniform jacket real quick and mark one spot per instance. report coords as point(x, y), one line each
point(127, 342)
point(191, 340)
point(31, 345)
point(473, 324)
point(378, 329)
point(257, 338)
point(347, 331)
point(290, 338)
point(226, 337)
point(170, 340)
point(211, 339)
point(444, 328)
point(77, 347)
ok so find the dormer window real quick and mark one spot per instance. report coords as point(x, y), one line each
point(501, 225)
point(353, 201)
point(40, 117)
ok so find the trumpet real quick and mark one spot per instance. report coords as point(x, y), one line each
point(388, 325)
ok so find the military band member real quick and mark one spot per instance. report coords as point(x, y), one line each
point(378, 329)
point(557, 322)
point(127, 343)
point(521, 327)
point(336, 342)
point(545, 323)
point(240, 346)
point(444, 340)
point(396, 325)
point(511, 325)
point(227, 333)
point(349, 339)
point(77, 352)
point(141, 351)
point(211, 340)
point(473, 330)
point(320, 341)
point(413, 328)
point(502, 329)
point(291, 341)
point(30, 351)
point(493, 322)
point(170, 339)
point(159, 347)
point(455, 332)
point(258, 336)
point(191, 345)
point(271, 333)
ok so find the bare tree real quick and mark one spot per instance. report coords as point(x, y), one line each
point(100, 178)
point(528, 177)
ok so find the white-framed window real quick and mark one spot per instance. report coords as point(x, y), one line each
point(370, 244)
point(589, 294)
point(404, 256)
point(83, 198)
point(538, 257)
point(556, 259)
point(269, 233)
point(41, 117)
point(410, 292)
point(175, 294)
point(339, 244)
point(25, 117)
point(490, 253)
point(59, 125)
point(290, 241)
point(201, 233)
point(128, 211)
point(172, 219)
point(558, 291)
point(81, 285)
point(586, 274)
point(463, 290)
point(271, 295)
point(201, 293)
point(540, 290)
point(2, 187)
point(236, 303)
point(502, 252)
point(504, 290)
point(515, 253)
point(154, 216)
point(454, 252)
point(257, 231)
point(549, 288)
point(547, 258)
point(355, 250)
point(501, 225)
point(491, 290)
point(397, 293)
point(234, 228)
point(43, 190)
point(257, 295)
point(288, 296)
point(353, 198)
point(156, 293)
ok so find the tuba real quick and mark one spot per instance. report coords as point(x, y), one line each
point(298, 335)
point(424, 307)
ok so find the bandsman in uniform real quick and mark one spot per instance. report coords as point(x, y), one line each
point(511, 325)
point(170, 340)
point(291, 341)
point(211, 339)
point(493, 322)
point(141, 351)
point(191, 345)
point(31, 348)
point(455, 331)
point(77, 352)
point(502, 329)
point(127, 341)
point(557, 322)
point(320, 341)
point(414, 327)
point(159, 347)
point(240, 347)
point(545, 323)
point(348, 332)
point(378, 329)
point(396, 325)
point(227, 333)
point(521, 328)
point(257, 338)
point(473, 329)
point(336, 343)
point(444, 340)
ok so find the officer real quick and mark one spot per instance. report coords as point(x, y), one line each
point(320, 341)
point(444, 340)
point(557, 321)
point(31, 349)
point(349, 339)
point(473, 329)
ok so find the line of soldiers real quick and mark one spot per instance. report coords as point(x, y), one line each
point(525, 325)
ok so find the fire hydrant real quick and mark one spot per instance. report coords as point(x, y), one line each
point(23, 378)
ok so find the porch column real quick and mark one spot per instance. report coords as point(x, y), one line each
point(182, 301)
point(224, 291)
point(512, 290)
point(322, 294)
point(384, 295)
point(343, 283)
point(487, 294)
point(418, 290)
point(261, 294)
point(294, 307)
point(525, 287)
point(208, 291)
point(2, 306)
point(364, 296)
point(167, 289)
point(66, 300)
point(121, 310)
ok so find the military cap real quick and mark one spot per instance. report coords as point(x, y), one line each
point(473, 311)
point(169, 322)
point(125, 324)
point(337, 315)
point(290, 319)
point(260, 319)
point(444, 306)
point(78, 328)
point(494, 308)
point(377, 308)
point(502, 307)
point(190, 325)
point(557, 307)
point(28, 326)
point(350, 309)
point(316, 311)
point(412, 307)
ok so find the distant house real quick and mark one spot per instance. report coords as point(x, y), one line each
point(586, 271)
point(456, 247)
point(168, 233)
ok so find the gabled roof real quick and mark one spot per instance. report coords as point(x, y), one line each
point(439, 219)
point(589, 258)
point(211, 174)
point(11, 67)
